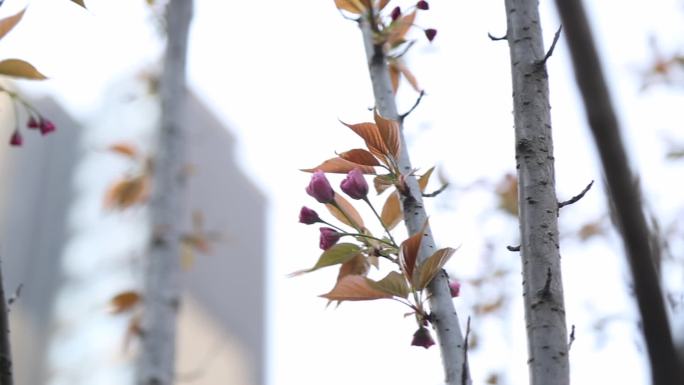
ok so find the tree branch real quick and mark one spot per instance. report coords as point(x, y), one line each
point(494, 38)
point(553, 46)
point(444, 317)
point(576, 197)
point(624, 193)
point(405, 114)
point(6, 377)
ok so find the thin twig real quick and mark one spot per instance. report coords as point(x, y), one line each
point(436, 192)
point(513, 248)
point(572, 337)
point(494, 38)
point(553, 46)
point(576, 197)
point(405, 114)
point(405, 50)
point(15, 296)
point(465, 375)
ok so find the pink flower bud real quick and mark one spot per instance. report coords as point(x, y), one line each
point(355, 184)
point(422, 4)
point(46, 126)
point(454, 288)
point(320, 188)
point(396, 12)
point(16, 139)
point(32, 122)
point(422, 338)
point(329, 237)
point(430, 33)
point(308, 216)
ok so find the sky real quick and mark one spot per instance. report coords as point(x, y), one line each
point(281, 74)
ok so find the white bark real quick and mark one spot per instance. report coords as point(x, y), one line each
point(538, 205)
point(161, 293)
point(444, 315)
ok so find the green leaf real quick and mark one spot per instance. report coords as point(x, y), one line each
point(337, 254)
point(431, 266)
point(20, 69)
point(394, 283)
point(79, 2)
point(8, 23)
point(355, 288)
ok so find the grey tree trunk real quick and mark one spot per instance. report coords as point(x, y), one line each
point(624, 193)
point(162, 288)
point(6, 377)
point(537, 202)
point(445, 319)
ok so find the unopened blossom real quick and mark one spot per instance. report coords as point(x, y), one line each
point(422, 337)
point(16, 139)
point(430, 33)
point(320, 188)
point(355, 185)
point(422, 4)
point(454, 288)
point(32, 123)
point(396, 12)
point(329, 237)
point(46, 126)
point(308, 216)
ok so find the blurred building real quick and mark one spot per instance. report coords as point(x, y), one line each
point(66, 279)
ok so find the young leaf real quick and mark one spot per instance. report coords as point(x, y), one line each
point(20, 69)
point(360, 156)
point(431, 266)
point(371, 135)
point(337, 254)
point(399, 28)
point(358, 265)
point(339, 165)
point(389, 131)
point(354, 288)
point(127, 192)
point(124, 301)
point(383, 182)
point(401, 67)
point(424, 179)
point(125, 149)
point(408, 252)
point(8, 23)
point(394, 76)
point(79, 2)
point(357, 221)
point(353, 6)
point(394, 283)
point(392, 214)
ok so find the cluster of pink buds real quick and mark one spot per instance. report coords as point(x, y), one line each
point(422, 5)
point(45, 126)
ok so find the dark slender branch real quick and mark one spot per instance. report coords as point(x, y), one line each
point(405, 114)
point(405, 50)
point(576, 197)
point(436, 192)
point(572, 337)
point(624, 193)
point(553, 46)
point(513, 248)
point(494, 38)
point(5, 348)
point(15, 296)
point(465, 374)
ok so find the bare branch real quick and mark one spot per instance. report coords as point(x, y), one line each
point(17, 293)
point(436, 192)
point(572, 337)
point(405, 114)
point(513, 248)
point(494, 38)
point(465, 374)
point(553, 46)
point(576, 197)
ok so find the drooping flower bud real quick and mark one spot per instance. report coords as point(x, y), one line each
point(320, 188)
point(308, 216)
point(422, 338)
point(396, 12)
point(16, 139)
point(355, 184)
point(422, 4)
point(454, 288)
point(46, 126)
point(329, 237)
point(430, 33)
point(32, 122)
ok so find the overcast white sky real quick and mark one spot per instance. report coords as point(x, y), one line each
point(282, 72)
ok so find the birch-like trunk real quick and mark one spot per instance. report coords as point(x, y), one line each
point(624, 193)
point(547, 338)
point(6, 377)
point(442, 309)
point(161, 293)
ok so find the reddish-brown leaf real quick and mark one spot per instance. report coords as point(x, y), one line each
point(125, 149)
point(392, 214)
point(383, 182)
point(10, 22)
point(382, 4)
point(340, 166)
point(353, 6)
point(394, 76)
point(124, 301)
point(127, 192)
point(408, 252)
point(80, 2)
point(399, 28)
point(370, 133)
point(20, 69)
point(358, 265)
point(401, 67)
point(360, 156)
point(431, 266)
point(424, 179)
point(356, 220)
point(354, 288)
point(389, 131)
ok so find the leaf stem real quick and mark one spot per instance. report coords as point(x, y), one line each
point(381, 222)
